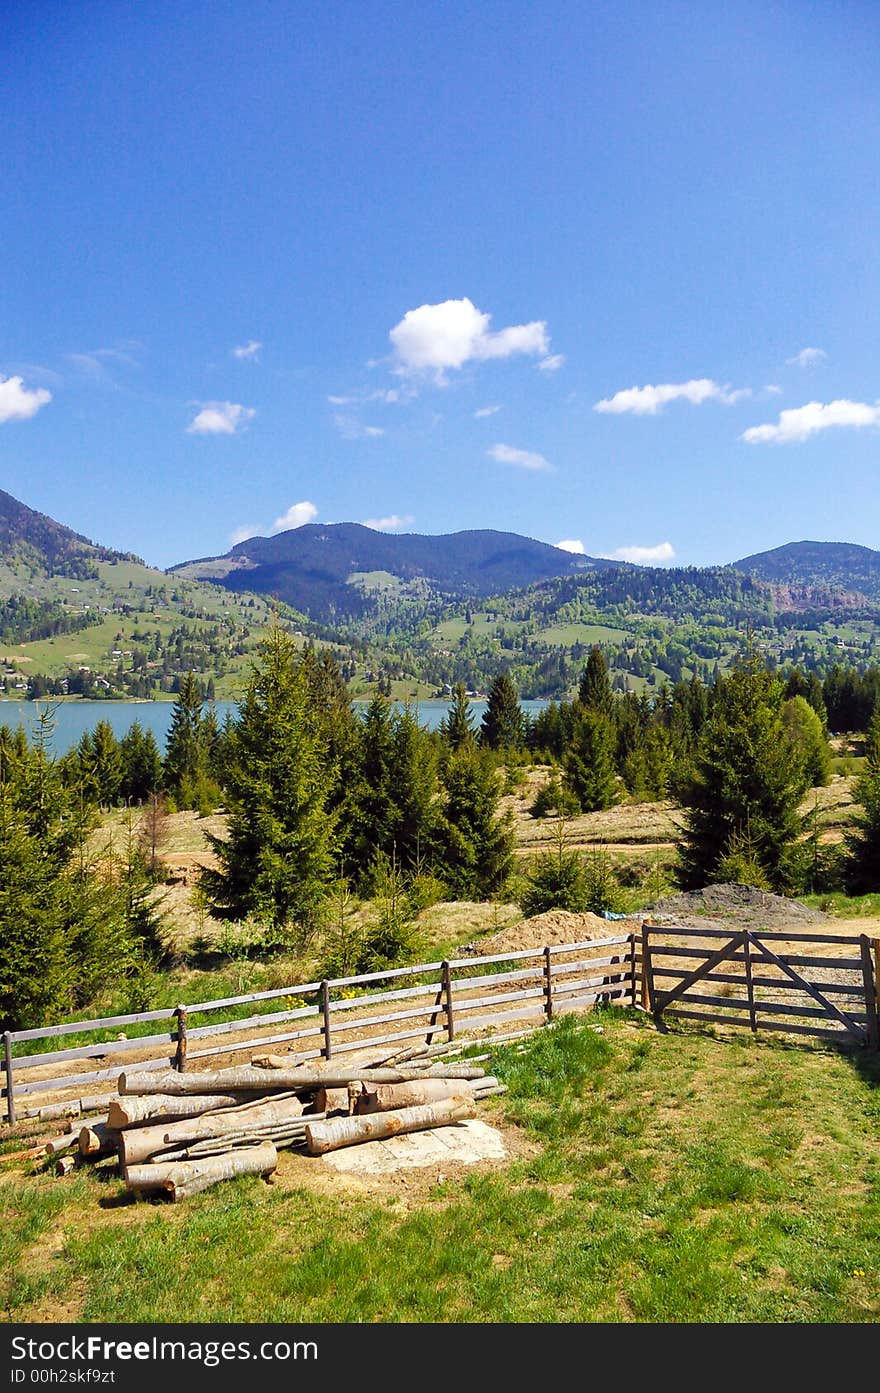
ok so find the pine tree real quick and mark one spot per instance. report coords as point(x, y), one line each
point(277, 861)
point(473, 841)
point(141, 764)
point(456, 728)
point(594, 692)
point(184, 749)
point(372, 817)
point(502, 725)
point(35, 967)
point(589, 761)
point(746, 780)
point(413, 789)
point(107, 766)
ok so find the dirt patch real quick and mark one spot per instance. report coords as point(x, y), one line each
point(554, 926)
point(743, 903)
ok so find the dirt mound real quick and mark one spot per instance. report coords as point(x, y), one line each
point(554, 926)
point(743, 903)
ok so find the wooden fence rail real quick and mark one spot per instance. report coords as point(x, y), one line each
point(460, 998)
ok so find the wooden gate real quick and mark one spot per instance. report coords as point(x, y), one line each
point(744, 981)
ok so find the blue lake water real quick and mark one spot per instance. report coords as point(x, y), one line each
point(72, 718)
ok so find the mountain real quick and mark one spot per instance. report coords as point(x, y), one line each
point(818, 572)
point(335, 569)
point(36, 544)
point(77, 618)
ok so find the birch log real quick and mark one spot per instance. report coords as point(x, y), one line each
point(350, 1131)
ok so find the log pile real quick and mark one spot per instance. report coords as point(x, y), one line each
point(175, 1134)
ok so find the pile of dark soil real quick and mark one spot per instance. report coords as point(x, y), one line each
point(743, 903)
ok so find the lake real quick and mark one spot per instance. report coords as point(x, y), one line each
point(72, 718)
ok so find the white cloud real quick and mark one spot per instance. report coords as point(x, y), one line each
point(807, 358)
point(20, 403)
point(643, 556)
point(552, 363)
point(435, 338)
point(350, 428)
point(523, 459)
point(389, 524)
point(773, 389)
point(486, 411)
point(241, 534)
point(221, 418)
point(250, 349)
point(648, 400)
point(297, 515)
point(574, 546)
point(800, 422)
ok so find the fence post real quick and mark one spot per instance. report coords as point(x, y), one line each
point(7, 1069)
point(325, 1008)
point(647, 976)
point(753, 1018)
point(632, 969)
point(446, 977)
point(870, 979)
point(180, 1054)
point(548, 982)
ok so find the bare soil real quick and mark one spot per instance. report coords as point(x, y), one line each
point(554, 926)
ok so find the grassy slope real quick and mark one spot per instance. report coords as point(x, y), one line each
point(672, 1178)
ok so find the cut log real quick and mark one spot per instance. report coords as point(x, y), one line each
point(137, 1144)
point(455, 1071)
point(65, 1165)
point(140, 1143)
point(330, 1100)
point(56, 1146)
point(249, 1080)
point(191, 1177)
point(295, 1135)
point(129, 1112)
point(351, 1131)
point(98, 1140)
point(385, 1097)
point(149, 1176)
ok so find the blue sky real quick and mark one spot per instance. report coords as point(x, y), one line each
point(604, 274)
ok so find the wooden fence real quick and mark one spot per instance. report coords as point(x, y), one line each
point(430, 1001)
point(764, 981)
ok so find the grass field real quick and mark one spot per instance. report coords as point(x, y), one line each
point(567, 634)
point(655, 1177)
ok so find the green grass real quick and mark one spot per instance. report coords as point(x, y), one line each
point(671, 1177)
point(567, 634)
point(845, 906)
